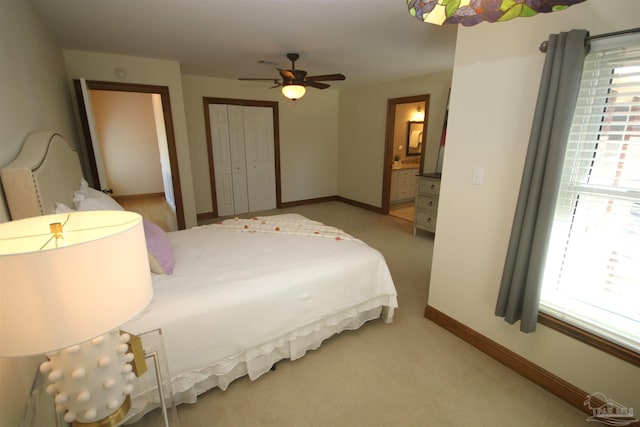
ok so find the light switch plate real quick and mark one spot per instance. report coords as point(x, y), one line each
point(477, 176)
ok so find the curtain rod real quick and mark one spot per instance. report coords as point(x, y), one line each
point(543, 45)
point(615, 33)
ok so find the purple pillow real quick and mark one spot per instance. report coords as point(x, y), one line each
point(158, 247)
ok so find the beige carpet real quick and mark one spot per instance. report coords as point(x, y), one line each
point(409, 373)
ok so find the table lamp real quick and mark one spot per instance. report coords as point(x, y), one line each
point(67, 282)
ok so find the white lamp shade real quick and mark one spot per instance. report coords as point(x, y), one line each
point(293, 92)
point(52, 298)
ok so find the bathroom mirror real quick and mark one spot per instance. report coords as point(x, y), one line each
point(414, 138)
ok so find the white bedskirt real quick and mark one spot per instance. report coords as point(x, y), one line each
point(253, 363)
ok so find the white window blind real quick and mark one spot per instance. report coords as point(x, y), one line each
point(592, 272)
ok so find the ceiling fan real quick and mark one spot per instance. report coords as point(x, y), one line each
point(294, 82)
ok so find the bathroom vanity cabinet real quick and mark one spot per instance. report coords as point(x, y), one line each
point(403, 184)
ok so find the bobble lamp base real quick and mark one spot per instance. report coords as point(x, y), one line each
point(91, 380)
point(112, 420)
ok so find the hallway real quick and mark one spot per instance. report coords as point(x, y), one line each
point(152, 207)
point(402, 210)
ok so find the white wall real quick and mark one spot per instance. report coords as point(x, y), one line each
point(126, 132)
point(308, 136)
point(33, 96)
point(102, 66)
point(495, 83)
point(363, 115)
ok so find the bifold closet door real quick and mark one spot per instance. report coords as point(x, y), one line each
point(243, 158)
point(260, 158)
point(222, 162)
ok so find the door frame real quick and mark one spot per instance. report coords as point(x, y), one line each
point(163, 91)
point(388, 145)
point(206, 101)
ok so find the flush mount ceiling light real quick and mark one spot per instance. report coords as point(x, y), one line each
point(418, 116)
point(293, 92)
point(472, 12)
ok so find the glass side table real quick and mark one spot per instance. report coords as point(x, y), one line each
point(156, 381)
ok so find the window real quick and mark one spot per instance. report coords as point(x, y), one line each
point(592, 271)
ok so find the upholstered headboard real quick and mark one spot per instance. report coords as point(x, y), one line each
point(46, 171)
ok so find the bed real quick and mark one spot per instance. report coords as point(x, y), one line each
point(242, 294)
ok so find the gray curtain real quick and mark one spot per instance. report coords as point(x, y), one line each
point(524, 266)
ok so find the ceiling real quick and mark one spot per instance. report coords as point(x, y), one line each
point(369, 41)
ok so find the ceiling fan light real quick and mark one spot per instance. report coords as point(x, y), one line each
point(293, 92)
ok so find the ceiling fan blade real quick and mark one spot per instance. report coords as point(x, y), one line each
point(286, 74)
point(317, 85)
point(326, 77)
point(298, 77)
point(275, 81)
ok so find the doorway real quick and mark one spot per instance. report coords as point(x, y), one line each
point(243, 150)
point(164, 207)
point(405, 150)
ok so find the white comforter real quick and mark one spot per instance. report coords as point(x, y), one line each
point(239, 293)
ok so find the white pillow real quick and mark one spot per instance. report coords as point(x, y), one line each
point(62, 208)
point(89, 199)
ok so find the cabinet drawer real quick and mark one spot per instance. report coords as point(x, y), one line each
point(430, 186)
point(408, 173)
point(406, 180)
point(427, 203)
point(426, 220)
point(406, 193)
point(408, 186)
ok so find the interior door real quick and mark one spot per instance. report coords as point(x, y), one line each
point(97, 176)
point(393, 104)
point(243, 158)
point(260, 164)
point(237, 142)
point(219, 125)
point(92, 158)
point(243, 147)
